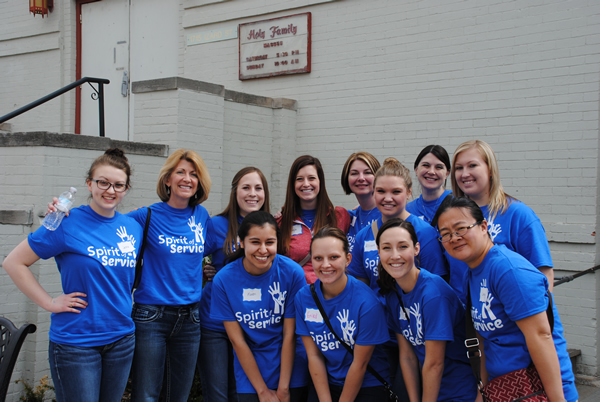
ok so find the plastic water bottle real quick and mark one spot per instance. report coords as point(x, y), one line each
point(65, 202)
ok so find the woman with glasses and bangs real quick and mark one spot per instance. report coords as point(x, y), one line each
point(508, 302)
point(91, 331)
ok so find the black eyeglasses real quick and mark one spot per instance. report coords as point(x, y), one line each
point(105, 185)
point(460, 232)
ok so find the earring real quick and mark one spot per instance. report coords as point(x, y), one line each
point(168, 190)
point(196, 196)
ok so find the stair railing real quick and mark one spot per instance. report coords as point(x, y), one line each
point(98, 94)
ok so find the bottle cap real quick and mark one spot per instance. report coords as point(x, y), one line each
point(73, 190)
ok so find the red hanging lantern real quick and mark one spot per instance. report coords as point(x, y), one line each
point(40, 6)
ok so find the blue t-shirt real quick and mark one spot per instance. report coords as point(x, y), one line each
point(365, 256)
point(95, 255)
point(360, 219)
point(435, 313)
point(260, 304)
point(506, 288)
point(220, 225)
point(426, 210)
point(357, 317)
point(176, 239)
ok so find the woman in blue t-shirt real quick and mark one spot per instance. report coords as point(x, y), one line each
point(91, 331)
point(356, 316)
point(427, 317)
point(432, 168)
point(475, 175)
point(249, 192)
point(166, 310)
point(358, 175)
point(509, 298)
point(254, 297)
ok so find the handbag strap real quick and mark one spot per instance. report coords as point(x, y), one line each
point(472, 342)
point(304, 260)
point(374, 228)
point(370, 369)
point(139, 263)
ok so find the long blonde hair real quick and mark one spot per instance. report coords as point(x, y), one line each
point(499, 200)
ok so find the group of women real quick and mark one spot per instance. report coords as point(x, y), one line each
point(315, 304)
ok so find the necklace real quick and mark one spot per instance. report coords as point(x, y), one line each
point(364, 218)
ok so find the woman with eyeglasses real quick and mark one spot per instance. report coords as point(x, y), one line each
point(509, 303)
point(91, 331)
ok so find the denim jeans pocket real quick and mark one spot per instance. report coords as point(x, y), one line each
point(195, 315)
point(145, 313)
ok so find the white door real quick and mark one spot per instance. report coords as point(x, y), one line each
point(105, 54)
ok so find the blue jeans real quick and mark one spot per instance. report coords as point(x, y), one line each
point(215, 364)
point(168, 339)
point(97, 373)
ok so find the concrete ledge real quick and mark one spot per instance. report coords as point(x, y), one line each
point(16, 217)
point(47, 139)
point(174, 83)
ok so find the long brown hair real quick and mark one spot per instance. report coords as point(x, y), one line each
point(325, 214)
point(232, 211)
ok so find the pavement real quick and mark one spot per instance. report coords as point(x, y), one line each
point(588, 393)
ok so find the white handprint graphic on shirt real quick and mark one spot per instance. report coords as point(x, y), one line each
point(494, 230)
point(278, 297)
point(414, 310)
point(348, 327)
point(197, 229)
point(122, 233)
point(487, 307)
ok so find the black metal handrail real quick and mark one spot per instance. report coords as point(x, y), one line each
point(97, 95)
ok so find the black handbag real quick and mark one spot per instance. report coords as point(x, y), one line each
point(392, 397)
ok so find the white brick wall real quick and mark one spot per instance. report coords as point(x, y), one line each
point(387, 77)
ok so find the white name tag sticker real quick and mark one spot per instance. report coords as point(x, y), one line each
point(252, 295)
point(483, 295)
point(353, 221)
point(313, 315)
point(370, 245)
point(126, 247)
point(296, 230)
